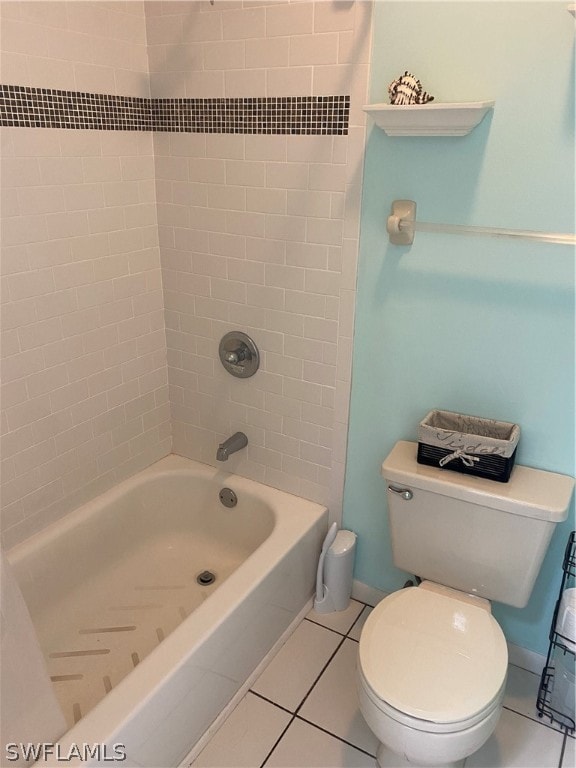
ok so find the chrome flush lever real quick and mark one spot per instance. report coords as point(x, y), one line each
point(406, 493)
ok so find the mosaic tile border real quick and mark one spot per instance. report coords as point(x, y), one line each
point(22, 106)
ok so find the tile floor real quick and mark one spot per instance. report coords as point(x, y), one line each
point(302, 711)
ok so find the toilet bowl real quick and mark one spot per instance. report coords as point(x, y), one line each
point(432, 666)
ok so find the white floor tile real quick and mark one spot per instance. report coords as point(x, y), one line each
point(522, 691)
point(521, 740)
point(356, 630)
point(307, 747)
point(518, 743)
point(246, 736)
point(339, 621)
point(569, 756)
point(292, 672)
point(333, 704)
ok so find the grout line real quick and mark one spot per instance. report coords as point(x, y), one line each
point(324, 668)
point(536, 720)
point(317, 623)
point(278, 740)
point(298, 708)
point(357, 620)
point(270, 701)
point(350, 628)
point(334, 735)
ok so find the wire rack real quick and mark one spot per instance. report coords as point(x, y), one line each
point(560, 646)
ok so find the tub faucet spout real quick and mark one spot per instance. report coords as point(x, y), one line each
point(234, 443)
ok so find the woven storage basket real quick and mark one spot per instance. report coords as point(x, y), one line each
point(468, 444)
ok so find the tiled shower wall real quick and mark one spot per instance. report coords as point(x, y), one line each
point(260, 233)
point(84, 396)
point(257, 232)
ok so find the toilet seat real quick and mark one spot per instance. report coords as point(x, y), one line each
point(432, 655)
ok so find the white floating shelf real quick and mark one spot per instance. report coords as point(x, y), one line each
point(432, 119)
point(572, 9)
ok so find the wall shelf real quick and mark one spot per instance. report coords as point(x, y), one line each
point(572, 9)
point(432, 119)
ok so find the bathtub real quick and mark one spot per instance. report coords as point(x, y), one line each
point(141, 655)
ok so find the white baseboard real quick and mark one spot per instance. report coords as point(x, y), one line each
point(366, 594)
point(523, 657)
point(520, 657)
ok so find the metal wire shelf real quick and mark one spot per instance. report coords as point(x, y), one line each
point(560, 646)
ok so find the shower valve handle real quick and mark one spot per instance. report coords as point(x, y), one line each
point(235, 356)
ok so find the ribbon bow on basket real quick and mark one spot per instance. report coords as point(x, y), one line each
point(460, 453)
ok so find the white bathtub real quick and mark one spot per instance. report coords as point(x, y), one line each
point(141, 656)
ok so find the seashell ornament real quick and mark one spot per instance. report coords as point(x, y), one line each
point(407, 89)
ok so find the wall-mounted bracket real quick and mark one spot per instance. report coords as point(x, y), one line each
point(402, 211)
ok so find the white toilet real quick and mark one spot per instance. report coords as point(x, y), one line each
point(432, 659)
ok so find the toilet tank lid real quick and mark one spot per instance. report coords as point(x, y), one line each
point(530, 492)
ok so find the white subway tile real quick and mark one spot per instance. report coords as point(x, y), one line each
point(266, 200)
point(245, 82)
point(325, 231)
point(319, 373)
point(32, 410)
point(224, 55)
point(37, 334)
point(244, 23)
point(287, 175)
point(282, 276)
point(265, 296)
point(314, 49)
point(284, 322)
point(18, 313)
point(306, 391)
point(246, 223)
point(62, 351)
point(292, 81)
point(68, 395)
point(289, 19)
point(246, 271)
point(245, 173)
point(286, 227)
point(228, 290)
point(268, 53)
point(70, 224)
point(266, 147)
point(14, 393)
point(20, 171)
point(284, 406)
point(330, 17)
point(28, 284)
point(17, 230)
point(82, 367)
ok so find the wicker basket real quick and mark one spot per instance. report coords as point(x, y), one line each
point(468, 444)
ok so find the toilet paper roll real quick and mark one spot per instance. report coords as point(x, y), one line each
point(566, 621)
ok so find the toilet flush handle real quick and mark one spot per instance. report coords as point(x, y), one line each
point(406, 493)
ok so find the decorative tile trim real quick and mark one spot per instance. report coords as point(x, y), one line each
point(48, 108)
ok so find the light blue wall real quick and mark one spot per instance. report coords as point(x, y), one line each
point(469, 324)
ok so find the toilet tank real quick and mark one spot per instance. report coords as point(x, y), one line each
point(476, 535)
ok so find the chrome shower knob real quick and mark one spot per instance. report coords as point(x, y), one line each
point(238, 354)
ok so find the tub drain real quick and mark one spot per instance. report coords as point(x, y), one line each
point(205, 578)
